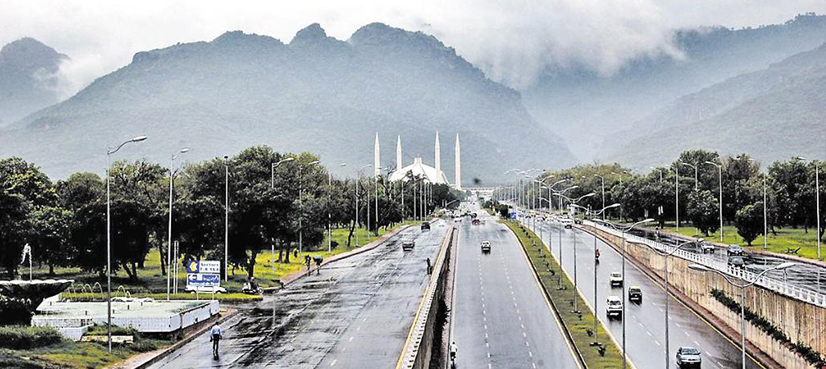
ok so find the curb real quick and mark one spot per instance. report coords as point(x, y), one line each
point(712, 320)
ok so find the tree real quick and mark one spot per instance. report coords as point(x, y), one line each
point(749, 222)
point(14, 228)
point(703, 211)
point(50, 239)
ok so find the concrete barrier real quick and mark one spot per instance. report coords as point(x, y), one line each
point(418, 348)
point(801, 321)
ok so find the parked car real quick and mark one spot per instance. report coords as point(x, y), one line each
point(205, 289)
point(613, 307)
point(689, 357)
point(736, 261)
point(616, 279)
point(734, 250)
point(485, 246)
point(408, 244)
point(425, 226)
point(635, 294)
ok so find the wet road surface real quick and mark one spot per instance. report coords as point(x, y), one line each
point(645, 324)
point(356, 314)
point(501, 318)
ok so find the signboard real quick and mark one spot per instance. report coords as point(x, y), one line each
point(206, 266)
point(203, 280)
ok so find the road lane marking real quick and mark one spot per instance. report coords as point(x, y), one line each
point(333, 363)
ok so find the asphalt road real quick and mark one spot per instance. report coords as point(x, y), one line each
point(500, 316)
point(645, 322)
point(356, 314)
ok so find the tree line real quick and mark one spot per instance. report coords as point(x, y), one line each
point(64, 221)
point(789, 192)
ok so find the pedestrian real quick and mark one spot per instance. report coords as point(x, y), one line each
point(215, 336)
point(453, 350)
point(307, 261)
point(295, 253)
point(429, 270)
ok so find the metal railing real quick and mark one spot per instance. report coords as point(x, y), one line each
point(773, 284)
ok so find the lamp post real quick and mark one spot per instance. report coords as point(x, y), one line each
point(596, 266)
point(272, 186)
point(677, 196)
point(603, 193)
point(358, 177)
point(742, 287)
point(573, 230)
point(226, 218)
point(169, 243)
point(109, 153)
point(817, 202)
point(301, 206)
point(720, 200)
point(329, 214)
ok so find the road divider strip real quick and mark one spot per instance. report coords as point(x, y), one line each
point(560, 294)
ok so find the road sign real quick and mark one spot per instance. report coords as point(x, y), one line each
point(203, 280)
point(206, 266)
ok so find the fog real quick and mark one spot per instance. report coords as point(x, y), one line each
point(513, 42)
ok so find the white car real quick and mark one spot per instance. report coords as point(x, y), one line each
point(205, 289)
point(616, 279)
point(485, 246)
point(613, 307)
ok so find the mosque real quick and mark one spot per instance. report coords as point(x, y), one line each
point(418, 168)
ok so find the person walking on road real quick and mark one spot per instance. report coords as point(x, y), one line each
point(215, 336)
point(453, 350)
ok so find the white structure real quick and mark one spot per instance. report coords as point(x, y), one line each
point(376, 158)
point(398, 153)
point(438, 155)
point(458, 183)
point(420, 169)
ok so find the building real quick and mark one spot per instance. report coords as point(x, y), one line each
point(431, 174)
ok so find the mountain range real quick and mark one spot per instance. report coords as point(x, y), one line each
point(28, 79)
point(315, 94)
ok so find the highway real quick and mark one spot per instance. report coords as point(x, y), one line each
point(355, 314)
point(500, 316)
point(645, 324)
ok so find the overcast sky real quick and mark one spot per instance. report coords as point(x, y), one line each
point(512, 41)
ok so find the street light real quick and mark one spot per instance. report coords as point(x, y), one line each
point(272, 186)
point(817, 201)
point(696, 186)
point(301, 205)
point(226, 218)
point(329, 214)
point(720, 200)
point(169, 244)
point(596, 265)
point(358, 178)
point(742, 287)
point(109, 153)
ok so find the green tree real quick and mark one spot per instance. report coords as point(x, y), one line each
point(703, 211)
point(749, 222)
point(50, 240)
point(14, 228)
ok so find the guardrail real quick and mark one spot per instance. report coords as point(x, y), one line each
point(773, 284)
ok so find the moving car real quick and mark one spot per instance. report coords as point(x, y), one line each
point(408, 244)
point(635, 294)
point(485, 246)
point(613, 307)
point(736, 261)
point(705, 247)
point(616, 279)
point(734, 250)
point(577, 221)
point(425, 226)
point(567, 222)
point(688, 357)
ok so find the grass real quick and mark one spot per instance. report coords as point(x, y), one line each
point(152, 283)
point(223, 297)
point(786, 238)
point(562, 293)
point(68, 354)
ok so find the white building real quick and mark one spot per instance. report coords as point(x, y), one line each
point(418, 168)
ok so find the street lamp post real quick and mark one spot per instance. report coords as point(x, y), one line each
point(573, 230)
point(329, 214)
point(109, 153)
point(677, 196)
point(301, 206)
point(226, 218)
point(696, 185)
point(742, 287)
point(720, 200)
point(596, 266)
point(817, 202)
point(272, 186)
point(169, 243)
point(358, 177)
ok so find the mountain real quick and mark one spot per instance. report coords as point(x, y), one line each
point(27, 78)
point(315, 94)
point(772, 114)
point(589, 110)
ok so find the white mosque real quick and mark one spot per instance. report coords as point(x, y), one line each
point(418, 168)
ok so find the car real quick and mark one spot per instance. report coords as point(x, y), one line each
point(567, 223)
point(425, 226)
point(577, 221)
point(408, 244)
point(485, 246)
point(734, 250)
point(736, 261)
point(635, 294)
point(616, 279)
point(705, 246)
point(613, 307)
point(475, 222)
point(205, 289)
point(688, 357)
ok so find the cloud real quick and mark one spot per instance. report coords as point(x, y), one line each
point(512, 41)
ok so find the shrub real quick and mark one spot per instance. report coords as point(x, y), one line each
point(23, 337)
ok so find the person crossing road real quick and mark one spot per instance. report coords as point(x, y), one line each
point(215, 336)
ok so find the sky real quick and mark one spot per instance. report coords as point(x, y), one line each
point(511, 41)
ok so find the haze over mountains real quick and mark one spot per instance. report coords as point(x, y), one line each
point(28, 79)
point(315, 94)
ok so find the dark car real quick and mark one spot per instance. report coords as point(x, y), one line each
point(688, 357)
point(475, 222)
point(734, 250)
point(736, 261)
point(425, 226)
point(635, 294)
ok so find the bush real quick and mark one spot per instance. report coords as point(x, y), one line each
point(23, 337)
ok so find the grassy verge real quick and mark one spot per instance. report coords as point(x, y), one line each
point(64, 353)
point(223, 297)
point(562, 293)
point(152, 282)
point(786, 238)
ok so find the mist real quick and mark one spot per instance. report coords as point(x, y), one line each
point(512, 42)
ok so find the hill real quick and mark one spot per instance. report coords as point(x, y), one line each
point(27, 78)
point(589, 110)
point(316, 94)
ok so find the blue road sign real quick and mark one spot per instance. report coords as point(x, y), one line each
point(203, 280)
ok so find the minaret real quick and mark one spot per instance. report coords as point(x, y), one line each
point(376, 157)
point(399, 153)
point(458, 164)
point(438, 160)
